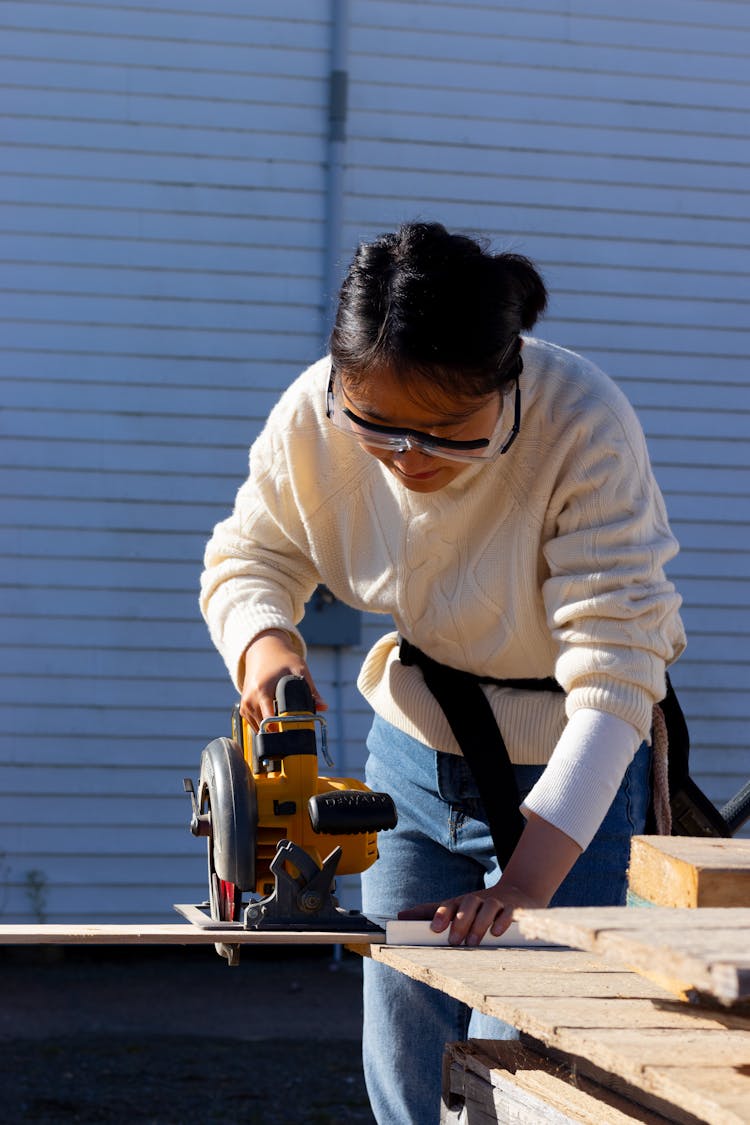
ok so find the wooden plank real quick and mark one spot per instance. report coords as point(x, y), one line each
point(701, 951)
point(508, 1082)
point(681, 871)
point(653, 1051)
point(174, 934)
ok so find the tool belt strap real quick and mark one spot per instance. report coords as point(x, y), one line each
point(470, 717)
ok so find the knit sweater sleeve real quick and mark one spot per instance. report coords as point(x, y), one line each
point(257, 573)
point(611, 610)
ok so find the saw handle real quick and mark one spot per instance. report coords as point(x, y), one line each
point(347, 812)
point(293, 696)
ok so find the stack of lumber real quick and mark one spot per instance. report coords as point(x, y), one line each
point(683, 871)
point(596, 1022)
point(633, 1014)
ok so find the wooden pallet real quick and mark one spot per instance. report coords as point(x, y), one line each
point(619, 1029)
point(691, 952)
point(507, 1082)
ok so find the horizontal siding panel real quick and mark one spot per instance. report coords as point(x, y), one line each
point(104, 839)
point(184, 173)
point(512, 189)
point(233, 88)
point(98, 425)
point(73, 869)
point(139, 900)
point(197, 316)
point(569, 278)
point(51, 749)
point(94, 720)
point(701, 675)
point(162, 487)
point(66, 513)
point(109, 810)
point(637, 25)
point(113, 137)
point(296, 344)
point(704, 481)
point(156, 605)
point(530, 158)
point(21, 628)
point(137, 663)
point(225, 115)
point(105, 222)
point(488, 79)
point(194, 287)
point(709, 396)
point(248, 372)
point(110, 575)
point(297, 196)
point(712, 591)
point(252, 57)
point(497, 108)
point(150, 24)
point(115, 251)
point(552, 219)
point(642, 55)
point(22, 782)
point(117, 694)
point(106, 543)
point(675, 314)
point(666, 450)
point(169, 402)
point(219, 460)
point(691, 563)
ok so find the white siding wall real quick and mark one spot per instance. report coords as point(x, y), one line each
point(162, 188)
point(610, 143)
point(162, 184)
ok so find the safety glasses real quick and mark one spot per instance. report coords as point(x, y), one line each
point(397, 440)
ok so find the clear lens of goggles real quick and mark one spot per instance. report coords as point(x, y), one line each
point(401, 441)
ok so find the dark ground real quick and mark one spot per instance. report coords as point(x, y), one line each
point(174, 1036)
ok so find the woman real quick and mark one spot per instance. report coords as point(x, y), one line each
point(493, 494)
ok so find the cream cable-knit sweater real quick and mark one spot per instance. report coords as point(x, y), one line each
point(545, 562)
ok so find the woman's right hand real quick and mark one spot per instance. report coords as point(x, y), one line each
point(267, 658)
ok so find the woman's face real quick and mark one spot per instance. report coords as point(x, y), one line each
point(385, 401)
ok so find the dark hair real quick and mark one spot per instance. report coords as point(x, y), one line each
point(426, 303)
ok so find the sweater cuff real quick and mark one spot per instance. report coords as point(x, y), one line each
point(584, 773)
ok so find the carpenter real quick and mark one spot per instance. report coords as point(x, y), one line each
point(492, 494)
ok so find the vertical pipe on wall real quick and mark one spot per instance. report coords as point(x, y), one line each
point(334, 209)
point(338, 90)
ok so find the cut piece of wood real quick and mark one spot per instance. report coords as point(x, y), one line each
point(508, 1082)
point(703, 951)
point(683, 871)
point(399, 932)
point(169, 934)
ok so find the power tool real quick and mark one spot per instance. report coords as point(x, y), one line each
point(277, 832)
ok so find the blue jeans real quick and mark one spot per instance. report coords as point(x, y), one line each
point(442, 847)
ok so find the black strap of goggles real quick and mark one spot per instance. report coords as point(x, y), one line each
point(474, 727)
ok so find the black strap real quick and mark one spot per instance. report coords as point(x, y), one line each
point(474, 727)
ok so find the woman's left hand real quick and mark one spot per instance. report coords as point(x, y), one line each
point(471, 915)
point(543, 857)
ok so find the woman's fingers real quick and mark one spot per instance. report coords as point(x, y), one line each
point(470, 916)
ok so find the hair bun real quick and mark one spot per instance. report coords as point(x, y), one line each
point(528, 289)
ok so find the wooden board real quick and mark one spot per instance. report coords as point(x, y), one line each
point(686, 1062)
point(683, 871)
point(174, 934)
point(697, 952)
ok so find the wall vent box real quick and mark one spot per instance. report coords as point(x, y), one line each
point(328, 621)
